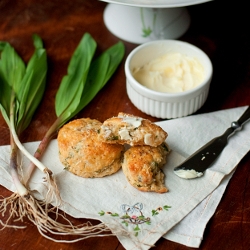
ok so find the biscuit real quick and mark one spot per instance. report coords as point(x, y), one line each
point(83, 154)
point(142, 166)
point(132, 130)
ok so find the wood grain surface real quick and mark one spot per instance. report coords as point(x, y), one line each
point(221, 31)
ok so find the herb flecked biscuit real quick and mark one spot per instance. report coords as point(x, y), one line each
point(142, 166)
point(132, 130)
point(83, 154)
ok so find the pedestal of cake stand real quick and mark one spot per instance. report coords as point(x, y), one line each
point(139, 24)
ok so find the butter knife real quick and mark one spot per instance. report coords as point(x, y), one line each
point(195, 165)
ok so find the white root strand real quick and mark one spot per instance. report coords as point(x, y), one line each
point(21, 207)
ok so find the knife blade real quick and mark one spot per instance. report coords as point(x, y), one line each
point(196, 164)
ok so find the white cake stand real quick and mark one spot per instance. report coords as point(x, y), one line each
point(139, 21)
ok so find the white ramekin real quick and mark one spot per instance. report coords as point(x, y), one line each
point(166, 105)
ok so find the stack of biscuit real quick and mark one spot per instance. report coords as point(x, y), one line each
point(89, 148)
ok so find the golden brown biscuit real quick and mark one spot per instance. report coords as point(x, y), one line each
point(83, 154)
point(142, 167)
point(132, 130)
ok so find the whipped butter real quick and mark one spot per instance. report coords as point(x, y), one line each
point(172, 72)
point(188, 174)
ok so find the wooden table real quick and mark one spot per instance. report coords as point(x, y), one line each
point(222, 34)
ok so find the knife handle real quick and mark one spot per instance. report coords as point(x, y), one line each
point(245, 117)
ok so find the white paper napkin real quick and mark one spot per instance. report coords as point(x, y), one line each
point(180, 215)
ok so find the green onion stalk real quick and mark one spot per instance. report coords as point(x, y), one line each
point(22, 89)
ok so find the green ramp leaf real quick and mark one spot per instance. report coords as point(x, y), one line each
point(72, 85)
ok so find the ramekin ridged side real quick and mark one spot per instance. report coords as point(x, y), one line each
point(167, 110)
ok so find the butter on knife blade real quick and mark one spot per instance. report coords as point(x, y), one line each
point(195, 165)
